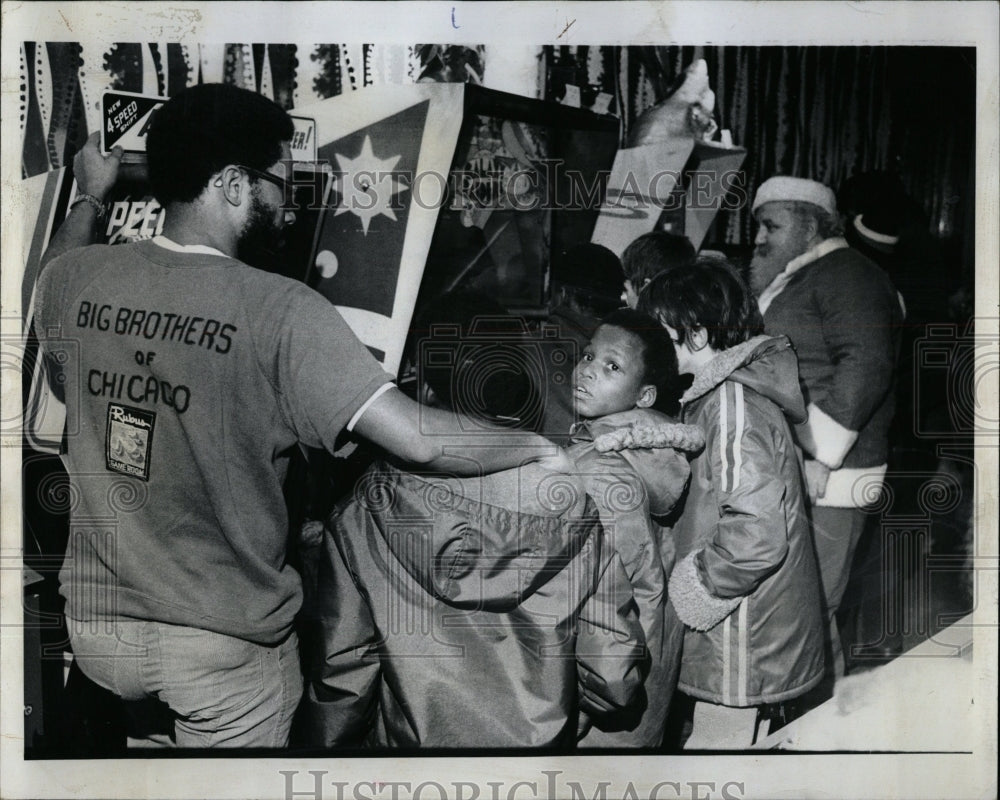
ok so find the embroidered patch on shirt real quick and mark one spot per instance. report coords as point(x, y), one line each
point(129, 440)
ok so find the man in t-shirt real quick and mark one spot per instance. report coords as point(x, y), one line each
point(192, 378)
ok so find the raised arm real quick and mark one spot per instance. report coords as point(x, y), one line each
point(442, 440)
point(95, 174)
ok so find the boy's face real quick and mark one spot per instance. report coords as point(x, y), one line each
point(609, 376)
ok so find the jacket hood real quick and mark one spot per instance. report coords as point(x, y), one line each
point(652, 443)
point(475, 543)
point(766, 364)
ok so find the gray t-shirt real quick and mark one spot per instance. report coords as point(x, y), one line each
point(188, 376)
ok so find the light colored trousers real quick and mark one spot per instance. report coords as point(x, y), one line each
point(220, 691)
point(836, 532)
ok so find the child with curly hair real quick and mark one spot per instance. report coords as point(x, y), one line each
point(746, 585)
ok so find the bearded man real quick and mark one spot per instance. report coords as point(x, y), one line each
point(193, 378)
point(843, 317)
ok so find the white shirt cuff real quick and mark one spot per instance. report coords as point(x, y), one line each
point(832, 440)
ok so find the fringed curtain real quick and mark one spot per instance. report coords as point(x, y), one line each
point(62, 82)
point(819, 112)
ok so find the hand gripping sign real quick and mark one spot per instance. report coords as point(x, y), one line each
point(375, 230)
point(125, 122)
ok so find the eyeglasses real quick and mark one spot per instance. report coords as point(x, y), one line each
point(287, 187)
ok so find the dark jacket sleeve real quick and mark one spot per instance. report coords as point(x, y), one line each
point(610, 648)
point(750, 540)
point(860, 316)
point(342, 681)
point(623, 504)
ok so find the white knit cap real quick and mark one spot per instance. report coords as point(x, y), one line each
point(782, 188)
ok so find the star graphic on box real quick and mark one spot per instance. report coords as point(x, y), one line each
point(368, 185)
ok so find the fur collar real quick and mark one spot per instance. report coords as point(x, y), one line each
point(814, 253)
point(722, 366)
point(638, 428)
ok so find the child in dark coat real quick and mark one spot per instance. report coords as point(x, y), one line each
point(746, 584)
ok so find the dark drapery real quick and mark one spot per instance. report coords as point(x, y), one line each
point(819, 112)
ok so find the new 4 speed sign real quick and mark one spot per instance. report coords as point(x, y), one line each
point(126, 117)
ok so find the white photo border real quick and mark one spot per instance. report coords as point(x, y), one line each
point(730, 22)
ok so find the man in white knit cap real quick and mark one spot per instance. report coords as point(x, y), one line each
point(843, 317)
